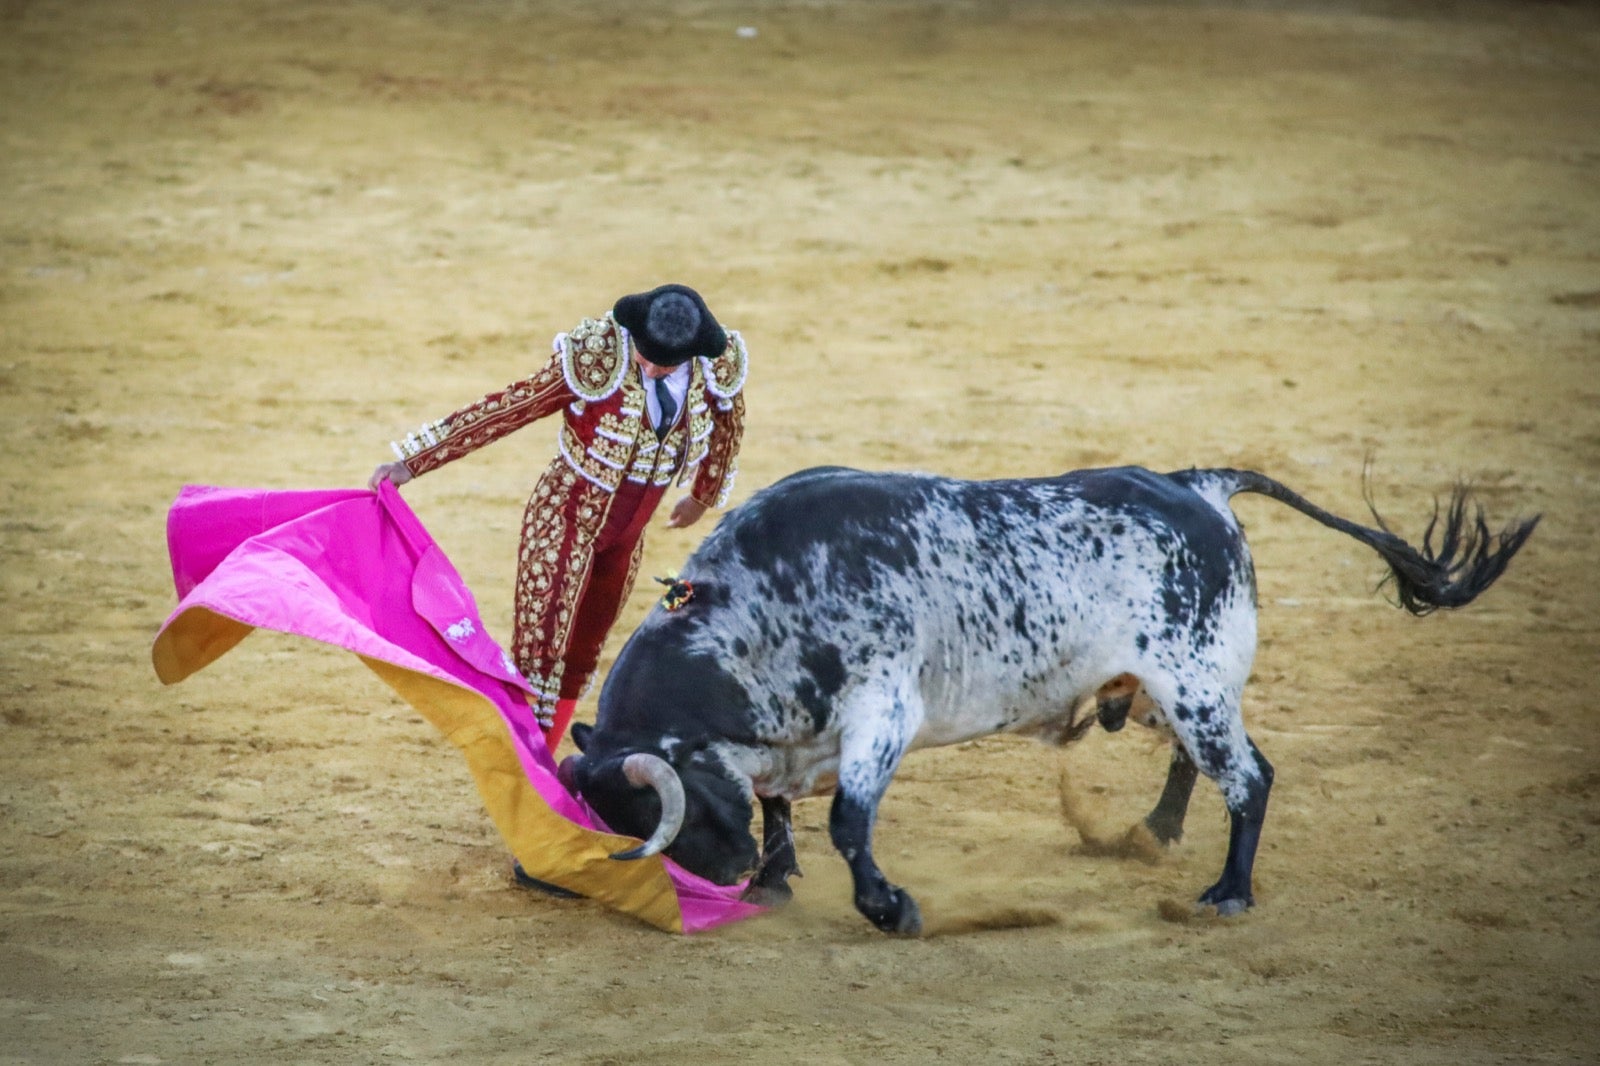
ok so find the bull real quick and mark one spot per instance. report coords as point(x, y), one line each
point(841, 619)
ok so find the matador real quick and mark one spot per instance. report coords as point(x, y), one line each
point(650, 393)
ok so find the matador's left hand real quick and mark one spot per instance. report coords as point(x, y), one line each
point(686, 513)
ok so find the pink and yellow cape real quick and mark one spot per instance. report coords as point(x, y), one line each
point(357, 570)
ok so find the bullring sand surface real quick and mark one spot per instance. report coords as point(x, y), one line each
point(248, 243)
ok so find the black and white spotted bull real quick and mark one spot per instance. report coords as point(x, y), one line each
point(841, 619)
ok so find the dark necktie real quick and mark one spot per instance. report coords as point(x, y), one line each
point(669, 408)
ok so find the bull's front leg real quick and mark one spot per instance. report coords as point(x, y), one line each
point(770, 885)
point(869, 755)
point(886, 906)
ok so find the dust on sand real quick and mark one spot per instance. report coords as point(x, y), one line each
point(250, 242)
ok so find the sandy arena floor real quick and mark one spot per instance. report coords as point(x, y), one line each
point(248, 243)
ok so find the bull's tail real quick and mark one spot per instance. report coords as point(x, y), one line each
point(1468, 559)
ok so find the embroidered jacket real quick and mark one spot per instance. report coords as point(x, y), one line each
point(605, 434)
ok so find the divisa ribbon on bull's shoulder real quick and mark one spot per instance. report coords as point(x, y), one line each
point(330, 565)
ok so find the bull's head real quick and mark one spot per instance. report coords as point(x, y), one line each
point(679, 799)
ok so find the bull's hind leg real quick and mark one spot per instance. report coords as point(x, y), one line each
point(1213, 739)
point(1244, 790)
point(1124, 697)
point(1166, 820)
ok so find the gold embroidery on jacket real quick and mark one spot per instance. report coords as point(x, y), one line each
point(726, 373)
point(594, 357)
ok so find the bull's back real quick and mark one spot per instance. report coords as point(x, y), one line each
point(1009, 569)
point(851, 531)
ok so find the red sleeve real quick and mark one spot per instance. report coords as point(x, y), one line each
point(487, 420)
point(714, 482)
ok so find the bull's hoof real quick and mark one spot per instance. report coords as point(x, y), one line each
point(522, 879)
point(767, 895)
point(776, 868)
point(909, 922)
point(902, 917)
point(1166, 830)
point(1221, 897)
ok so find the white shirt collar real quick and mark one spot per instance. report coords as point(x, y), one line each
point(677, 386)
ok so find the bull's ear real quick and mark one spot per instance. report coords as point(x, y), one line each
point(580, 735)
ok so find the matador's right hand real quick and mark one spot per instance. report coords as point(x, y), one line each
point(394, 472)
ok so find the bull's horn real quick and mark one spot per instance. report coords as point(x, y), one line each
point(652, 771)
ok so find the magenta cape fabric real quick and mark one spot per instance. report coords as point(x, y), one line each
point(357, 570)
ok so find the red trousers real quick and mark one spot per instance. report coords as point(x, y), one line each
point(616, 563)
point(574, 573)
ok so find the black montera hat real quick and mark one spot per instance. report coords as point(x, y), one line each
point(670, 325)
